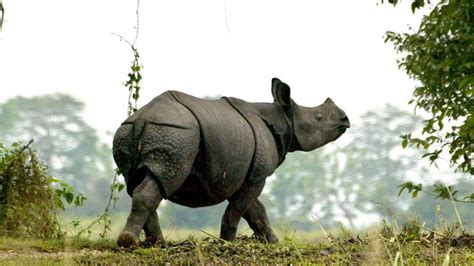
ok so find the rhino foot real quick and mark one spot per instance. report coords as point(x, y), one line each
point(271, 239)
point(127, 239)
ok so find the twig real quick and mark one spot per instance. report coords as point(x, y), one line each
point(226, 16)
point(322, 229)
point(170, 229)
point(17, 156)
point(452, 197)
point(427, 229)
point(220, 239)
point(122, 38)
point(455, 208)
point(138, 23)
point(2, 14)
point(106, 210)
point(388, 250)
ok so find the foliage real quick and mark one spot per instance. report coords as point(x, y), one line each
point(415, 4)
point(133, 86)
point(69, 146)
point(134, 76)
point(440, 191)
point(29, 200)
point(104, 219)
point(133, 82)
point(448, 206)
point(440, 55)
point(2, 15)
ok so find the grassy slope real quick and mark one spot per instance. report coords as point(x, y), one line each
point(345, 249)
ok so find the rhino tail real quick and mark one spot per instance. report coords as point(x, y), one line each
point(137, 129)
point(127, 152)
point(135, 175)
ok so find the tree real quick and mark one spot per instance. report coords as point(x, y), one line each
point(297, 186)
point(69, 146)
point(440, 55)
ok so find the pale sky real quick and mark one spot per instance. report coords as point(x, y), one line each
point(320, 48)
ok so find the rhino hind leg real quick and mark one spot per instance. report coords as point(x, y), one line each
point(152, 230)
point(239, 203)
point(145, 200)
point(257, 218)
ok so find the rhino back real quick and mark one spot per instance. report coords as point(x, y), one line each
point(163, 109)
point(227, 142)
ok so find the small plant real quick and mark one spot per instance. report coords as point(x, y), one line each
point(29, 197)
point(104, 218)
point(133, 82)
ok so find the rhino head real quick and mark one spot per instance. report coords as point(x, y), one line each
point(313, 126)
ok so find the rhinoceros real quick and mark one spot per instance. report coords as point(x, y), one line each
point(199, 152)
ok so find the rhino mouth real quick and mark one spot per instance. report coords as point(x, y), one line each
point(344, 125)
point(339, 131)
point(342, 128)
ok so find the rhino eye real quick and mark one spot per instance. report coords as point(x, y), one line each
point(319, 116)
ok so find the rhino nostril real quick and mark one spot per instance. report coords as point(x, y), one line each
point(345, 122)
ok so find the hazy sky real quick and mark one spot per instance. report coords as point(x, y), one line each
point(320, 48)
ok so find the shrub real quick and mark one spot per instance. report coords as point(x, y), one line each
point(28, 200)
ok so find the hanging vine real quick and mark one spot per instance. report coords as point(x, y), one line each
point(133, 86)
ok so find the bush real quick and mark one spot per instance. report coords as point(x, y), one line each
point(28, 200)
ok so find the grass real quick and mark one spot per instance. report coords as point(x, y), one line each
point(388, 245)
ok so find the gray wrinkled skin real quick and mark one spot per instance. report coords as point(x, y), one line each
point(198, 152)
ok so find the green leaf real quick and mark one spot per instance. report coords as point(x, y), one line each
point(393, 2)
point(68, 196)
point(470, 197)
point(412, 189)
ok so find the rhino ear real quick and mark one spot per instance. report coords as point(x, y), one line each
point(281, 92)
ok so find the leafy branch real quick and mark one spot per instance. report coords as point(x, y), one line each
point(440, 191)
point(17, 156)
point(415, 4)
point(134, 76)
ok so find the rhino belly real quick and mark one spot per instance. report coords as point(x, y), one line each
point(196, 192)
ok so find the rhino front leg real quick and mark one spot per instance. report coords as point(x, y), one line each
point(145, 200)
point(239, 203)
point(257, 218)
